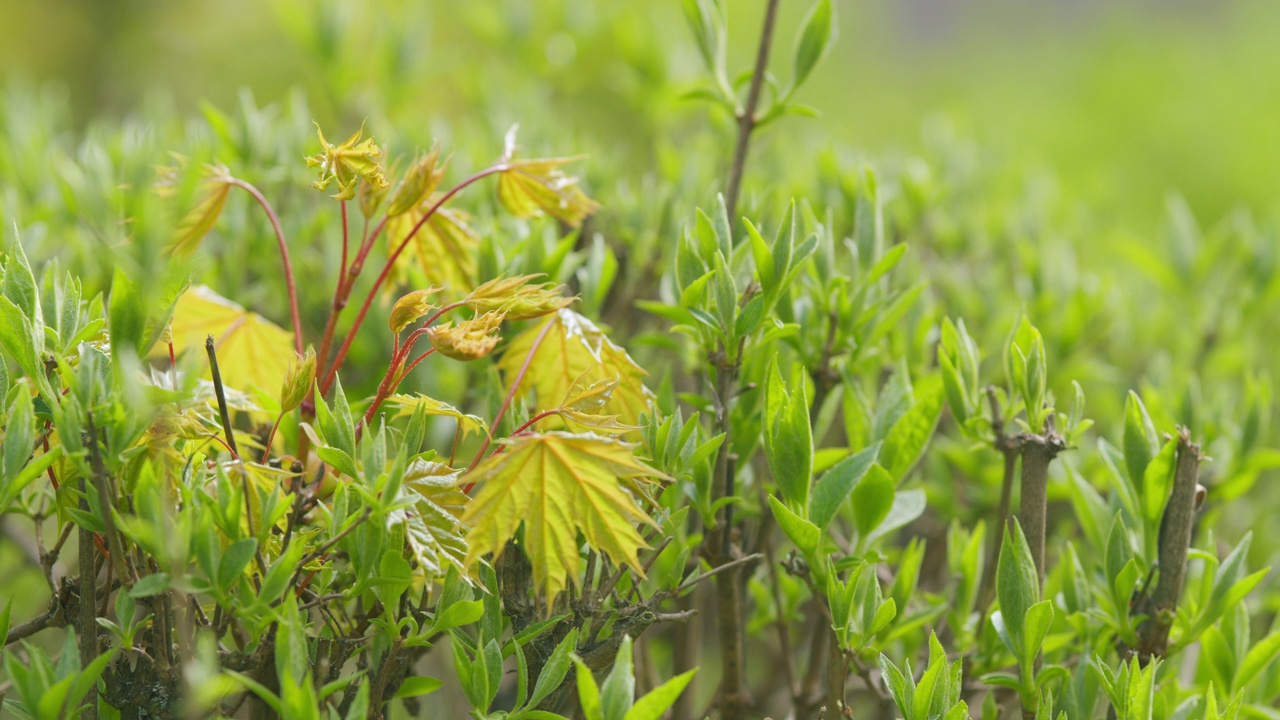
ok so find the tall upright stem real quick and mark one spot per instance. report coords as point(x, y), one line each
point(747, 117)
point(1175, 539)
point(734, 697)
point(284, 259)
point(1037, 452)
point(86, 622)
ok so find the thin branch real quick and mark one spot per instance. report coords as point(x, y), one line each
point(323, 549)
point(225, 414)
point(284, 259)
point(1008, 449)
point(506, 403)
point(716, 571)
point(747, 118)
point(86, 620)
point(386, 270)
point(220, 393)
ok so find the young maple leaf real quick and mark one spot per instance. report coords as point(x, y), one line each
point(411, 308)
point(528, 188)
point(252, 351)
point(346, 163)
point(574, 351)
point(435, 501)
point(558, 484)
point(518, 297)
point(444, 247)
point(200, 219)
point(469, 339)
point(407, 404)
point(418, 184)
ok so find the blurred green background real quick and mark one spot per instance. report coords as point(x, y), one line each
point(1124, 101)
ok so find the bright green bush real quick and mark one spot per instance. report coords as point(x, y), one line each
point(692, 446)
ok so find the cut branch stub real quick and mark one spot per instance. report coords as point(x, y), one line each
point(1175, 539)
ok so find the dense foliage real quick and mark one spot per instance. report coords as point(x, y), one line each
point(304, 428)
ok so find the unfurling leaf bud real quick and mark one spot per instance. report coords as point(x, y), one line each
point(348, 163)
point(298, 380)
point(370, 197)
point(468, 340)
point(517, 299)
point(422, 179)
point(410, 308)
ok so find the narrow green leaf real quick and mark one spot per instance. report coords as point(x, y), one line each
point(803, 533)
point(234, 560)
point(654, 704)
point(817, 32)
point(833, 488)
point(872, 500)
point(418, 686)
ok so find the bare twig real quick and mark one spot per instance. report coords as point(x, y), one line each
point(225, 414)
point(747, 117)
point(731, 565)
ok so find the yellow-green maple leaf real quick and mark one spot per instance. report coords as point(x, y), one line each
point(200, 219)
point(444, 248)
point(431, 520)
point(252, 351)
point(409, 403)
point(575, 352)
point(558, 484)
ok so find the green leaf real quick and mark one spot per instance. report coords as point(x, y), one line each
point(618, 691)
point(458, 614)
point(553, 672)
point(20, 283)
point(417, 686)
point(653, 705)
point(4, 623)
point(833, 488)
point(803, 533)
point(157, 583)
point(907, 506)
point(588, 692)
point(1255, 661)
point(726, 293)
point(1218, 657)
point(1157, 483)
point(788, 438)
point(872, 499)
point(1017, 585)
point(19, 337)
point(1139, 438)
point(335, 425)
point(19, 437)
point(126, 316)
point(1036, 625)
point(905, 443)
point(817, 32)
point(234, 560)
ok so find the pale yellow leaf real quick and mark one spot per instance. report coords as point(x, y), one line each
point(576, 353)
point(558, 484)
point(252, 351)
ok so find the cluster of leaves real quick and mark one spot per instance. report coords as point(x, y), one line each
point(818, 467)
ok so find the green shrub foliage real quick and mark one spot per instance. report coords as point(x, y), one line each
point(303, 428)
